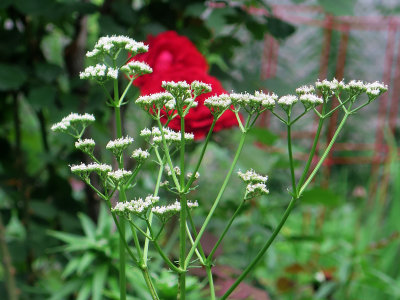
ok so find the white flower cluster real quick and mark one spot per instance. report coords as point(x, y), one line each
point(119, 145)
point(119, 176)
point(254, 103)
point(177, 170)
point(136, 68)
point(376, 88)
point(169, 135)
point(157, 100)
point(256, 189)
point(71, 120)
point(99, 72)
point(199, 87)
point(180, 89)
point(373, 90)
point(252, 177)
point(140, 155)
point(86, 145)
point(196, 175)
point(218, 103)
point(286, 102)
point(84, 170)
point(111, 44)
point(330, 86)
point(136, 206)
point(256, 184)
point(169, 210)
point(310, 100)
point(305, 89)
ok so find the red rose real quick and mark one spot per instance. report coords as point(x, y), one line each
point(175, 58)
point(199, 119)
point(168, 51)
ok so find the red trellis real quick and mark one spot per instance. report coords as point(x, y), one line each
point(389, 103)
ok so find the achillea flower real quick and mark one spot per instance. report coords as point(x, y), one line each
point(109, 45)
point(119, 145)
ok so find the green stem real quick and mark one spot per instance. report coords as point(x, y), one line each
point(201, 258)
point(166, 151)
point(126, 91)
point(211, 282)
point(324, 155)
point(182, 215)
point(219, 196)
point(210, 256)
point(290, 153)
point(149, 283)
point(122, 197)
point(195, 235)
point(203, 151)
point(262, 251)
point(160, 172)
point(312, 152)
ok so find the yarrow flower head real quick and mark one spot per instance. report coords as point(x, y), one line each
point(157, 100)
point(256, 103)
point(83, 170)
point(330, 87)
point(255, 190)
point(136, 68)
point(99, 72)
point(218, 104)
point(310, 100)
point(287, 102)
point(375, 89)
point(252, 177)
point(110, 45)
point(355, 87)
point(119, 145)
point(136, 206)
point(169, 135)
point(119, 176)
point(256, 184)
point(71, 121)
point(140, 155)
point(180, 89)
point(166, 211)
point(199, 87)
point(305, 89)
point(86, 145)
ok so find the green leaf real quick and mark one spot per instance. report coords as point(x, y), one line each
point(43, 210)
point(104, 222)
point(256, 28)
point(5, 3)
point(84, 262)
point(11, 77)
point(47, 72)
point(263, 136)
point(15, 230)
point(84, 292)
point(71, 267)
point(338, 7)
point(88, 226)
point(279, 29)
point(99, 279)
point(320, 196)
point(67, 289)
point(75, 242)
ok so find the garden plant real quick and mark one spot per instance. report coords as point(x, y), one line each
point(147, 217)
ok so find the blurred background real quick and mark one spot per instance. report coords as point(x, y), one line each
point(342, 241)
